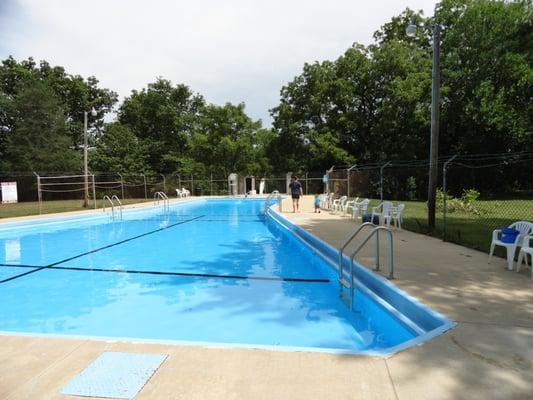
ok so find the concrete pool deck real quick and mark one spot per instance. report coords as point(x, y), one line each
point(489, 355)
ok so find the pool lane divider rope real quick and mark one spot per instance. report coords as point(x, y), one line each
point(99, 249)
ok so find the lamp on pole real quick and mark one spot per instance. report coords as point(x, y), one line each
point(435, 110)
point(85, 166)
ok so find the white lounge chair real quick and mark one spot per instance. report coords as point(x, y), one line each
point(397, 215)
point(524, 251)
point(179, 193)
point(359, 209)
point(524, 228)
point(385, 214)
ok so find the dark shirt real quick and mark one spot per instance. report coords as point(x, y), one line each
point(296, 187)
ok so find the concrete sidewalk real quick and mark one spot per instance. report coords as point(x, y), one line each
point(489, 355)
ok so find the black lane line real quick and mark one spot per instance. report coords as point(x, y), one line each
point(134, 271)
point(122, 242)
point(23, 274)
point(192, 274)
point(22, 265)
point(95, 250)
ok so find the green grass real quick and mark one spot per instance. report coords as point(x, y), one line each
point(468, 229)
point(48, 207)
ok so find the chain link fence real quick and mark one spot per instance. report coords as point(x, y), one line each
point(476, 194)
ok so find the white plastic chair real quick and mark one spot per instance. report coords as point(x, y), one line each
point(524, 227)
point(179, 193)
point(385, 214)
point(349, 205)
point(327, 201)
point(359, 209)
point(524, 251)
point(338, 204)
point(397, 215)
point(186, 193)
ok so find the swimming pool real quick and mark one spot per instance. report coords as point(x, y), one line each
point(210, 271)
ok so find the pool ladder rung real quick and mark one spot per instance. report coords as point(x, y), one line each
point(344, 283)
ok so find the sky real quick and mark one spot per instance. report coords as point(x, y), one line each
point(227, 50)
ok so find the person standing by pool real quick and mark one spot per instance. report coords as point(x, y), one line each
point(296, 192)
point(317, 202)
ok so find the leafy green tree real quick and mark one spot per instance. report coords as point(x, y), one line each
point(373, 103)
point(163, 117)
point(229, 141)
point(487, 65)
point(39, 140)
point(303, 122)
point(74, 94)
point(118, 150)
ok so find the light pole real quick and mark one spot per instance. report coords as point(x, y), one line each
point(85, 166)
point(435, 110)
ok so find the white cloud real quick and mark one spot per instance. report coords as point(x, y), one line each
point(231, 50)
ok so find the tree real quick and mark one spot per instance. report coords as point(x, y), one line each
point(229, 141)
point(373, 103)
point(118, 150)
point(163, 117)
point(73, 93)
point(305, 116)
point(39, 140)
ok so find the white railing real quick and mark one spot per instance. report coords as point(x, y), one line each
point(112, 203)
point(115, 198)
point(390, 257)
point(161, 196)
point(268, 201)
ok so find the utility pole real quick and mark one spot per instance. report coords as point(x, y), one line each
point(85, 159)
point(434, 141)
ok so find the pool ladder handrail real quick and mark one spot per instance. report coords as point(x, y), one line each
point(390, 259)
point(110, 200)
point(272, 195)
point(161, 196)
point(115, 197)
point(346, 243)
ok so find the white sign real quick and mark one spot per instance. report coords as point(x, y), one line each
point(9, 192)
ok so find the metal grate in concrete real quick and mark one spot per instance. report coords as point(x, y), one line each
point(115, 375)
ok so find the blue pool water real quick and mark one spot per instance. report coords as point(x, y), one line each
point(215, 271)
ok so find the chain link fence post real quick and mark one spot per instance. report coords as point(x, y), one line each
point(445, 195)
point(381, 178)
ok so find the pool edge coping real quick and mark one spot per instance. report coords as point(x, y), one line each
point(383, 353)
point(447, 323)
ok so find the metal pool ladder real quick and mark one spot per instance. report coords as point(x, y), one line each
point(269, 199)
point(110, 200)
point(161, 196)
point(390, 257)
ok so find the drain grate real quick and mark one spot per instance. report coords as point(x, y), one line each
point(115, 375)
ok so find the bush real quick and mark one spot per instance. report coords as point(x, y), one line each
point(465, 204)
point(411, 188)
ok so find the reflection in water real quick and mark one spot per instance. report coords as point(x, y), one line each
point(12, 251)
